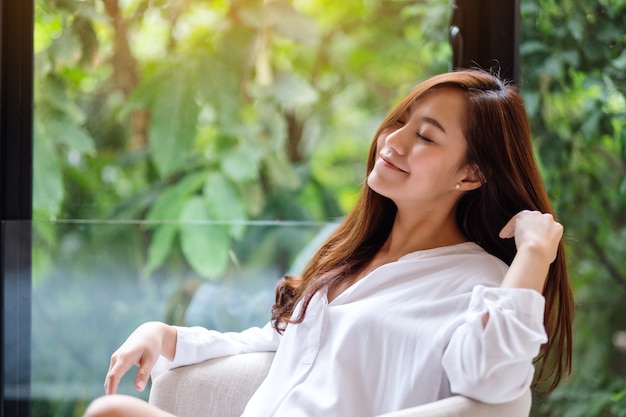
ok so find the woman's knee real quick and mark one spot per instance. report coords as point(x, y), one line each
point(112, 406)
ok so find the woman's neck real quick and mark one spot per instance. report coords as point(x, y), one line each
point(409, 233)
point(426, 230)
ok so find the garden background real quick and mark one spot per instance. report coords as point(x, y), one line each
point(183, 146)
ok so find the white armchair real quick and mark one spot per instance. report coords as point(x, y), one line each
point(221, 387)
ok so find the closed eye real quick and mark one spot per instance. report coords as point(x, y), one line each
point(424, 138)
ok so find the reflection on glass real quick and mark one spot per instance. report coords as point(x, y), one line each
point(89, 298)
point(15, 260)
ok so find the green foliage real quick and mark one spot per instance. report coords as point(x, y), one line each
point(216, 111)
point(574, 84)
point(596, 396)
point(207, 254)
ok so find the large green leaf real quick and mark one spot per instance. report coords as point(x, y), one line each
point(60, 118)
point(63, 130)
point(174, 122)
point(242, 163)
point(281, 172)
point(205, 246)
point(169, 204)
point(253, 197)
point(160, 247)
point(225, 203)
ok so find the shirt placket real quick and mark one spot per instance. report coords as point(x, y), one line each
point(316, 316)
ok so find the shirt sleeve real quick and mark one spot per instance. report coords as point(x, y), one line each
point(197, 344)
point(493, 363)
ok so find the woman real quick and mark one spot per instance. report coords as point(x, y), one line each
point(431, 286)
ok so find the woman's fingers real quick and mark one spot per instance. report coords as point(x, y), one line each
point(145, 367)
point(535, 230)
point(142, 348)
point(531, 221)
point(122, 362)
point(508, 230)
point(119, 366)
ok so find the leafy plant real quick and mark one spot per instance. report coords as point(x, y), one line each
point(573, 55)
point(216, 112)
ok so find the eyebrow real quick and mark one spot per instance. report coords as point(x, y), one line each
point(434, 122)
point(429, 120)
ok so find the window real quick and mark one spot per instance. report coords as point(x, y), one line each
point(186, 155)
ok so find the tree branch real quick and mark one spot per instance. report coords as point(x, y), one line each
point(125, 73)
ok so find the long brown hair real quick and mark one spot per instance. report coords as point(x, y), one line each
point(499, 144)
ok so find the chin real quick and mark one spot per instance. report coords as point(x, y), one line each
point(373, 185)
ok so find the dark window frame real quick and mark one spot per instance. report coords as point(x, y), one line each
point(486, 34)
point(16, 175)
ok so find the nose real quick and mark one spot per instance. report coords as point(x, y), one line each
point(397, 140)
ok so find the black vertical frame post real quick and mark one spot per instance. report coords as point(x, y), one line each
point(16, 173)
point(485, 34)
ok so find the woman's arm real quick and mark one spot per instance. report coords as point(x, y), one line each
point(489, 356)
point(167, 347)
point(493, 362)
point(197, 344)
point(142, 348)
point(537, 236)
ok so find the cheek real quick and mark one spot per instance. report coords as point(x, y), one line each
point(380, 142)
point(434, 166)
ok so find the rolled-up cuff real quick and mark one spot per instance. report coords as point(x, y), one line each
point(161, 366)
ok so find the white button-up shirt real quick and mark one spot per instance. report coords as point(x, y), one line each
point(408, 333)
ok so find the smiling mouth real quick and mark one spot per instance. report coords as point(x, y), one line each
point(386, 162)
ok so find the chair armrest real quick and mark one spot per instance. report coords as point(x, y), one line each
point(459, 406)
point(217, 387)
point(223, 386)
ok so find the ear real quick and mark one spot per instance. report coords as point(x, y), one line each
point(471, 177)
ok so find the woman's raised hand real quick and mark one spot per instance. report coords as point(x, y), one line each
point(537, 236)
point(142, 348)
point(535, 231)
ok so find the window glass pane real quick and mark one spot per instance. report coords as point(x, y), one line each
point(273, 103)
point(90, 298)
point(16, 302)
point(186, 152)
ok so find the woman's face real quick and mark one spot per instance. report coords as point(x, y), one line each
point(420, 157)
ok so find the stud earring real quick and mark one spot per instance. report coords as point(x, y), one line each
point(457, 186)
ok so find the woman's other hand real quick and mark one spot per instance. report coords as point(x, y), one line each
point(537, 236)
point(534, 231)
point(142, 348)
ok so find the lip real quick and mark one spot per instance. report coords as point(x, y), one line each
point(387, 163)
